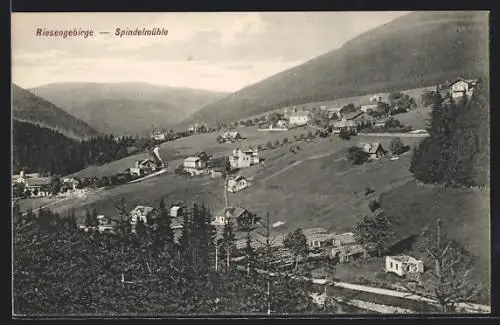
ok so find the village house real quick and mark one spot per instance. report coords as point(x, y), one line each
point(231, 136)
point(237, 184)
point(158, 136)
point(461, 87)
point(34, 184)
point(239, 216)
point(348, 252)
point(194, 166)
point(71, 183)
point(243, 159)
point(374, 150)
point(300, 117)
point(142, 213)
point(143, 167)
point(176, 211)
point(317, 237)
point(351, 121)
point(342, 239)
point(403, 265)
point(332, 111)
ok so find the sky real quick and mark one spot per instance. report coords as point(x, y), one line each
point(220, 51)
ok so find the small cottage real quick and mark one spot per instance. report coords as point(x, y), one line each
point(194, 165)
point(403, 265)
point(142, 213)
point(237, 184)
point(375, 150)
point(300, 117)
point(461, 87)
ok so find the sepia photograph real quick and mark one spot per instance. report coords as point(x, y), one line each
point(250, 164)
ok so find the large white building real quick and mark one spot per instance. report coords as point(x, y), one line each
point(244, 158)
point(300, 117)
point(194, 166)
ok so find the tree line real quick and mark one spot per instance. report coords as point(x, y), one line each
point(457, 149)
point(61, 269)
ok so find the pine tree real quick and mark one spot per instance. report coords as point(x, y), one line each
point(228, 249)
point(164, 234)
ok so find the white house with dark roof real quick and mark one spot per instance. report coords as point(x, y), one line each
point(142, 213)
point(244, 158)
point(375, 149)
point(194, 165)
point(300, 117)
point(237, 183)
point(403, 265)
point(461, 87)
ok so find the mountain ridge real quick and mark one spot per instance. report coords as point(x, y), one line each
point(139, 105)
point(415, 50)
point(27, 107)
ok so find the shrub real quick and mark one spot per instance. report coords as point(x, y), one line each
point(344, 135)
point(397, 146)
point(302, 136)
point(310, 135)
point(277, 142)
point(369, 190)
point(295, 137)
point(285, 140)
point(269, 144)
point(356, 156)
point(392, 123)
point(259, 147)
point(374, 205)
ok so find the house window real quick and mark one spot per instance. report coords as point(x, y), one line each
point(391, 265)
point(396, 267)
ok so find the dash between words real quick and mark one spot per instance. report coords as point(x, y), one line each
point(86, 33)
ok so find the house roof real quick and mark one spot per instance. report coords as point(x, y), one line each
point(404, 258)
point(142, 210)
point(191, 159)
point(38, 181)
point(345, 238)
point(352, 115)
point(469, 81)
point(231, 134)
point(349, 250)
point(235, 212)
point(301, 113)
point(237, 178)
point(342, 124)
point(370, 147)
point(145, 161)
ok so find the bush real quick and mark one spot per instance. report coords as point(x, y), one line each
point(356, 156)
point(397, 146)
point(374, 205)
point(369, 190)
point(310, 135)
point(285, 140)
point(277, 142)
point(302, 136)
point(295, 137)
point(392, 123)
point(344, 135)
point(269, 145)
point(259, 147)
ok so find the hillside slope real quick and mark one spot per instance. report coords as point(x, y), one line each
point(27, 107)
point(415, 50)
point(138, 105)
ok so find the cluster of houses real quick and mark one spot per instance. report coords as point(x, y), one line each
point(148, 165)
point(39, 186)
point(197, 165)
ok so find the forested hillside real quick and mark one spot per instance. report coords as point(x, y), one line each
point(458, 148)
point(39, 149)
point(27, 107)
point(416, 50)
point(60, 269)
